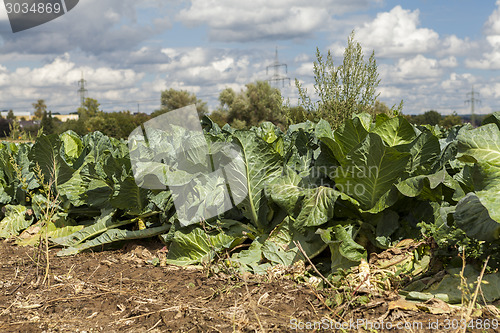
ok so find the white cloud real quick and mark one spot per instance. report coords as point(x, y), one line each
point(93, 26)
point(425, 83)
point(263, 19)
point(448, 62)
point(491, 59)
point(390, 93)
point(302, 57)
point(145, 56)
point(305, 69)
point(452, 45)
point(179, 58)
point(418, 69)
point(203, 67)
point(491, 90)
point(457, 82)
point(492, 25)
point(494, 41)
point(224, 64)
point(63, 72)
point(56, 83)
point(396, 33)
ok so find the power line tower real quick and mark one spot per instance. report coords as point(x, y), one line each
point(82, 91)
point(277, 77)
point(472, 101)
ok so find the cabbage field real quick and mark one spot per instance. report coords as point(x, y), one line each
point(322, 204)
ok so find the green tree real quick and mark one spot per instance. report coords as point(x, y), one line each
point(40, 107)
point(47, 123)
point(226, 98)
point(257, 103)
point(172, 99)
point(430, 117)
point(345, 89)
point(10, 115)
point(381, 107)
point(4, 127)
point(89, 109)
point(102, 123)
point(297, 114)
point(77, 126)
point(123, 122)
point(219, 117)
point(451, 120)
point(114, 124)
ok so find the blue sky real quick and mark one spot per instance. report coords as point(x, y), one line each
point(430, 53)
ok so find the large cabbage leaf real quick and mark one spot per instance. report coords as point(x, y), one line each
point(370, 171)
point(493, 119)
point(395, 131)
point(15, 221)
point(263, 165)
point(280, 246)
point(479, 213)
point(344, 139)
point(424, 150)
point(46, 152)
point(196, 246)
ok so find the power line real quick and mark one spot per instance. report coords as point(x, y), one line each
point(276, 77)
point(472, 101)
point(82, 90)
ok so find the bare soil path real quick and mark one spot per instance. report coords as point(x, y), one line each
point(117, 291)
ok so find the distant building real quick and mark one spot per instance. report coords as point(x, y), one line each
point(19, 114)
point(65, 117)
point(28, 116)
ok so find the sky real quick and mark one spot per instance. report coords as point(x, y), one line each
point(430, 53)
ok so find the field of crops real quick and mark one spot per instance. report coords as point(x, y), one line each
point(375, 205)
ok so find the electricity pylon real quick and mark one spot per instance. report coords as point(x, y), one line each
point(276, 77)
point(82, 90)
point(472, 101)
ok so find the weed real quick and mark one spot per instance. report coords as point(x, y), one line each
point(48, 208)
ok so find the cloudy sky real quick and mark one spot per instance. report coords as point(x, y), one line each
point(430, 52)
